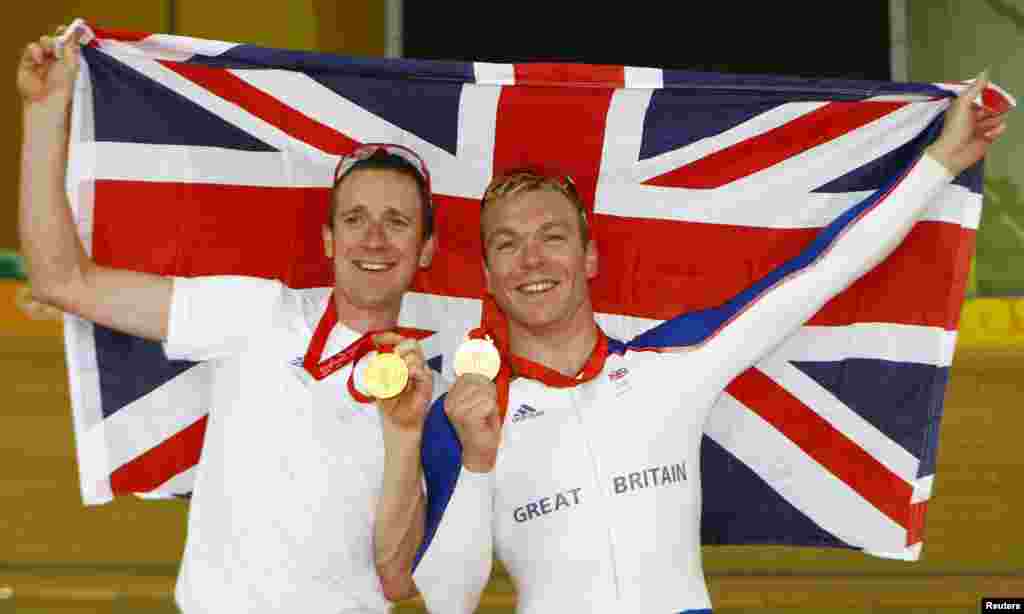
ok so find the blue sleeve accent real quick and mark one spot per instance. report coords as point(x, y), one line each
point(441, 455)
point(697, 326)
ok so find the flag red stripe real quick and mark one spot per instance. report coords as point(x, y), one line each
point(127, 36)
point(653, 278)
point(678, 267)
point(769, 148)
point(915, 532)
point(153, 467)
point(208, 229)
point(457, 269)
point(566, 126)
point(826, 445)
point(596, 75)
point(271, 110)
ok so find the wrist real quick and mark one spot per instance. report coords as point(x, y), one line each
point(46, 115)
point(944, 157)
point(402, 436)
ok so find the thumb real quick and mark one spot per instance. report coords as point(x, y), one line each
point(71, 49)
point(973, 93)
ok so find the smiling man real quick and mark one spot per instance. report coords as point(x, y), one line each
point(283, 515)
point(590, 490)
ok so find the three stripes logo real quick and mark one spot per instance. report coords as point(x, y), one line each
point(525, 412)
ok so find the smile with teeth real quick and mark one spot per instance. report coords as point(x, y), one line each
point(537, 287)
point(373, 267)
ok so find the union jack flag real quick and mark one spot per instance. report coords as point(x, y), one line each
point(196, 157)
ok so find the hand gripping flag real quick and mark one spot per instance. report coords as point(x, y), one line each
point(195, 157)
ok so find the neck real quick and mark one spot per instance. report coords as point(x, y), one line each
point(564, 346)
point(365, 319)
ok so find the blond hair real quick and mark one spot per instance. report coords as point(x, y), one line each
point(522, 181)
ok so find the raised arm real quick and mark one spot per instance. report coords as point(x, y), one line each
point(752, 324)
point(60, 272)
point(460, 447)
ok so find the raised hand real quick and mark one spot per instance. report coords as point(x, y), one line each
point(407, 411)
point(969, 130)
point(472, 407)
point(44, 78)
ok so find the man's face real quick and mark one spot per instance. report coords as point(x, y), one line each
point(536, 265)
point(377, 241)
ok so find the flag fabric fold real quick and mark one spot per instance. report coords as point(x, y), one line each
point(193, 157)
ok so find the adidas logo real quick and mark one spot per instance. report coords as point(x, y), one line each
point(524, 412)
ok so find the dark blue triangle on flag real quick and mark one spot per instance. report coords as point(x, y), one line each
point(674, 120)
point(436, 362)
point(131, 368)
point(131, 108)
point(428, 110)
point(897, 398)
point(426, 105)
point(877, 172)
point(748, 510)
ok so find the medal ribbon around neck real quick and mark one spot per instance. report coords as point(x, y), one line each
point(495, 328)
point(356, 350)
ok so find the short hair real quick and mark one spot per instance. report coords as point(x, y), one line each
point(521, 181)
point(382, 160)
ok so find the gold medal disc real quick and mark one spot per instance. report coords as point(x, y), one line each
point(477, 356)
point(386, 375)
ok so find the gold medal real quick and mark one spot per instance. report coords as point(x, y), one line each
point(386, 375)
point(477, 356)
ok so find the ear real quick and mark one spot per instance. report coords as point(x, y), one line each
point(328, 242)
point(590, 259)
point(427, 252)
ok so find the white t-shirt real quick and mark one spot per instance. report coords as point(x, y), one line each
point(282, 512)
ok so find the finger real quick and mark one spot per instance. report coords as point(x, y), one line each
point(480, 395)
point(33, 55)
point(995, 132)
point(973, 93)
point(473, 379)
point(457, 409)
point(413, 361)
point(420, 373)
point(462, 409)
point(387, 338)
point(470, 387)
point(482, 410)
point(967, 97)
point(468, 413)
point(461, 386)
point(72, 48)
point(48, 43)
point(981, 81)
point(988, 124)
point(409, 347)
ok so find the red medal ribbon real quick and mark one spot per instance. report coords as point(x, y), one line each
point(362, 346)
point(496, 328)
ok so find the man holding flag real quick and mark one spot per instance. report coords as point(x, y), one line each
point(291, 509)
point(580, 462)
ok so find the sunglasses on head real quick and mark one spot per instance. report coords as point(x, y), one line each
point(365, 152)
